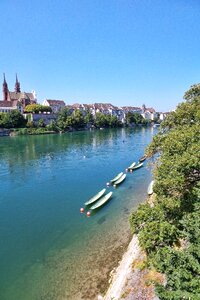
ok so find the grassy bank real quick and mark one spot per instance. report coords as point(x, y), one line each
point(30, 131)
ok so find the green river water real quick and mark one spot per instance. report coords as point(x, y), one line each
point(48, 250)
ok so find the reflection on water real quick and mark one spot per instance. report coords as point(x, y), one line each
point(48, 250)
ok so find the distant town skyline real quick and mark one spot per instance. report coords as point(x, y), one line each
point(119, 52)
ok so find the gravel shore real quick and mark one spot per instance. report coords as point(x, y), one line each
point(123, 271)
point(128, 282)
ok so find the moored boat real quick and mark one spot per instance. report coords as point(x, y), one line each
point(131, 166)
point(137, 166)
point(102, 201)
point(150, 188)
point(96, 197)
point(142, 158)
point(116, 177)
point(120, 179)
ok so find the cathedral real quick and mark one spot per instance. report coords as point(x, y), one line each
point(16, 99)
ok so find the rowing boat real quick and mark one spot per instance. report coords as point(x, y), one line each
point(96, 197)
point(137, 166)
point(142, 158)
point(117, 177)
point(150, 188)
point(132, 165)
point(120, 179)
point(102, 201)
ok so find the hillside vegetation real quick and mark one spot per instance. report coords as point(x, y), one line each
point(169, 230)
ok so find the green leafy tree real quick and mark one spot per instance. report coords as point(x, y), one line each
point(37, 108)
point(101, 120)
point(30, 124)
point(89, 119)
point(12, 119)
point(67, 119)
point(157, 234)
point(41, 123)
point(77, 119)
point(134, 118)
point(114, 122)
point(63, 119)
point(193, 92)
point(52, 126)
point(170, 231)
point(187, 113)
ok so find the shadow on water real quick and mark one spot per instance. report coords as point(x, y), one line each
point(101, 220)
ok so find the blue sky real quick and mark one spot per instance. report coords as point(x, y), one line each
point(127, 52)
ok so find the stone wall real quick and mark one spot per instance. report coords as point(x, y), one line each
point(48, 118)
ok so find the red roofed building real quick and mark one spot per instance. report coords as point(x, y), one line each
point(17, 99)
point(149, 113)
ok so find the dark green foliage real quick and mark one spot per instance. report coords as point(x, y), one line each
point(77, 120)
point(52, 126)
point(157, 234)
point(89, 119)
point(187, 113)
point(102, 120)
point(193, 92)
point(144, 215)
point(169, 231)
point(12, 119)
point(41, 123)
point(134, 118)
point(166, 294)
point(179, 163)
point(33, 131)
point(63, 116)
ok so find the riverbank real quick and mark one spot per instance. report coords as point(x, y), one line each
point(43, 130)
point(132, 280)
point(123, 271)
point(167, 225)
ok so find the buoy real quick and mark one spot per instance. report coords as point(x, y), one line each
point(88, 213)
point(108, 183)
point(81, 209)
point(114, 185)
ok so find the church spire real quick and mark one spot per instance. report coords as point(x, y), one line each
point(17, 85)
point(5, 88)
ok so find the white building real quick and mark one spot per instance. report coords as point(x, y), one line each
point(119, 112)
point(149, 113)
point(163, 116)
point(56, 105)
point(6, 106)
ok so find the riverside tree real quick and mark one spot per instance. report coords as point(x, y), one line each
point(134, 118)
point(102, 120)
point(12, 119)
point(169, 231)
point(68, 119)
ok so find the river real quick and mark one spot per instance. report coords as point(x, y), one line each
point(48, 250)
